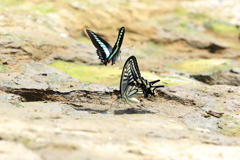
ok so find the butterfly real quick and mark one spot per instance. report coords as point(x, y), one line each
point(133, 84)
point(104, 50)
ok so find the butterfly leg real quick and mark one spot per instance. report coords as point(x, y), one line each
point(152, 82)
point(112, 104)
point(142, 104)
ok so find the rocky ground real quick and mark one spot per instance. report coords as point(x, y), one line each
point(58, 103)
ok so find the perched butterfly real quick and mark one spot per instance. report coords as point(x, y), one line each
point(104, 49)
point(143, 84)
point(133, 84)
point(128, 86)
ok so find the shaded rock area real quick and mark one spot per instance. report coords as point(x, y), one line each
point(220, 78)
point(47, 114)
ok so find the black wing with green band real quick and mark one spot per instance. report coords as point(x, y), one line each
point(104, 50)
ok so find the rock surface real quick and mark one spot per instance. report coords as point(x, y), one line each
point(57, 115)
point(49, 115)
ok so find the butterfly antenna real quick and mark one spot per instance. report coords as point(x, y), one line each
point(127, 47)
point(85, 32)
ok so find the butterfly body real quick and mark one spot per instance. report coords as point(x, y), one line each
point(105, 51)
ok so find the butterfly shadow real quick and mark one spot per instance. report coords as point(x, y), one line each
point(136, 109)
point(80, 107)
point(132, 111)
point(92, 111)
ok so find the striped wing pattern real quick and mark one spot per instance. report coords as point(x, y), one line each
point(128, 87)
point(104, 49)
point(132, 76)
point(131, 90)
point(146, 87)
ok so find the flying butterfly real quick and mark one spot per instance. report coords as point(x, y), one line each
point(104, 50)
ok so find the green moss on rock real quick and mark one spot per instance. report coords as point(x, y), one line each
point(90, 74)
point(203, 65)
point(103, 75)
point(230, 125)
point(177, 80)
point(3, 68)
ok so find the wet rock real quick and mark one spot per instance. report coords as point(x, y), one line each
point(39, 82)
point(212, 47)
point(210, 124)
point(219, 78)
point(205, 100)
point(72, 122)
point(59, 132)
point(235, 70)
point(10, 98)
point(165, 37)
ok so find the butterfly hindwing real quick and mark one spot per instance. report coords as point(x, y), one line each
point(131, 90)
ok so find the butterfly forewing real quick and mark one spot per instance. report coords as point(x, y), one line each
point(116, 49)
point(135, 70)
point(104, 49)
point(126, 77)
point(130, 73)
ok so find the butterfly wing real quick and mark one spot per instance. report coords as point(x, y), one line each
point(104, 49)
point(127, 76)
point(116, 49)
point(128, 87)
point(136, 71)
